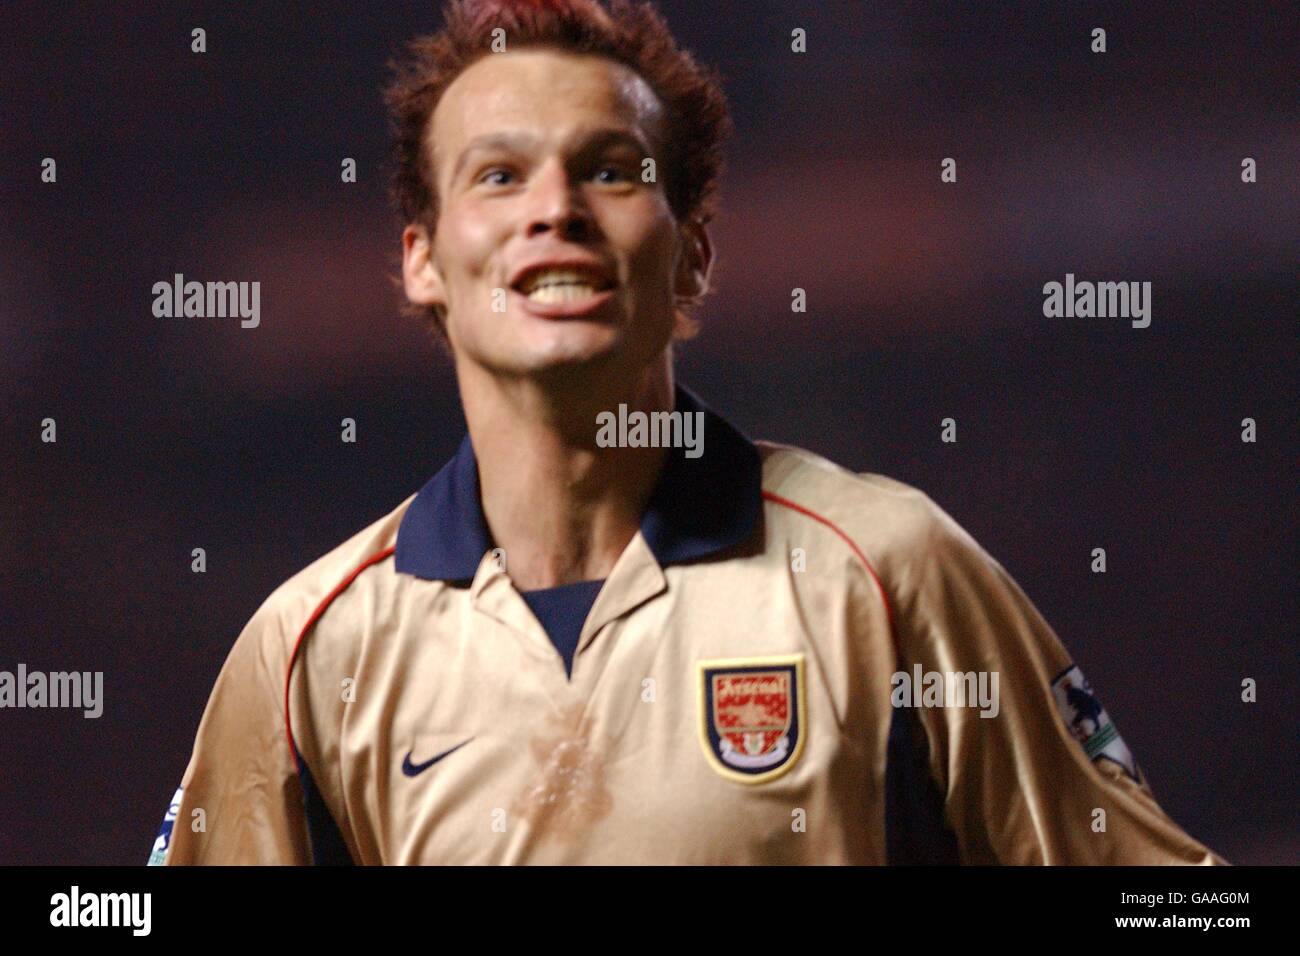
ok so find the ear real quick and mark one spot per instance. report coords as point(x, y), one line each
point(695, 262)
point(420, 276)
point(691, 281)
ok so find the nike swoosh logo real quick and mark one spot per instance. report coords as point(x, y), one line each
point(412, 769)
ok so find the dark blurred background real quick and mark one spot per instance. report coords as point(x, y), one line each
point(925, 302)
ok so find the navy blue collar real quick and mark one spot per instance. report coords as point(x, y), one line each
point(699, 505)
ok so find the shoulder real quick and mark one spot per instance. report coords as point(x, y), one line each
point(899, 529)
point(274, 628)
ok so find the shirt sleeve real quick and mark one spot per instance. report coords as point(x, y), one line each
point(1033, 770)
point(240, 800)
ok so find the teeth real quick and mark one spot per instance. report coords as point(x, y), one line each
point(557, 277)
point(561, 292)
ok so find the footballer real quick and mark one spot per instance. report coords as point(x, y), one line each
point(612, 628)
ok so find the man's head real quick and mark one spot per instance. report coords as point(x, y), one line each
point(511, 158)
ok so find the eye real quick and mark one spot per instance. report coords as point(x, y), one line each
point(495, 171)
point(616, 170)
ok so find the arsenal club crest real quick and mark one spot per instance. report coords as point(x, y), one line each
point(752, 715)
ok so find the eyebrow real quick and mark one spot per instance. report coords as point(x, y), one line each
point(590, 140)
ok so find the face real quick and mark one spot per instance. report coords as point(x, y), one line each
point(537, 156)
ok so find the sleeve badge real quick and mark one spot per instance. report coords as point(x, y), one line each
point(159, 855)
point(1088, 722)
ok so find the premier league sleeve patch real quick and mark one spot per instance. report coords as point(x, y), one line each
point(159, 855)
point(752, 715)
point(1088, 721)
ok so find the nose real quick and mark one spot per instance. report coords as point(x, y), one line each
point(557, 205)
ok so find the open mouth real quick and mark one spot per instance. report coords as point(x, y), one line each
point(561, 286)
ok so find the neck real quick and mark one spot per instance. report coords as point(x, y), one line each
point(562, 508)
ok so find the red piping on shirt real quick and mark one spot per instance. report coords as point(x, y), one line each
point(381, 555)
point(320, 609)
point(889, 610)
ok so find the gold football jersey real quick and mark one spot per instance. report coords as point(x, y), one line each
point(789, 663)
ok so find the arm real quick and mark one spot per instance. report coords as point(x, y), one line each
point(1033, 782)
point(241, 774)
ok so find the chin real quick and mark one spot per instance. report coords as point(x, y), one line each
point(569, 344)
